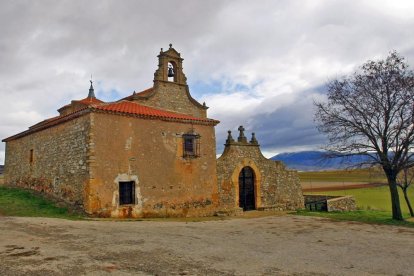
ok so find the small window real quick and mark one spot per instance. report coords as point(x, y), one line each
point(126, 192)
point(31, 157)
point(191, 145)
point(172, 71)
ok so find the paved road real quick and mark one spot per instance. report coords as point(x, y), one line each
point(274, 245)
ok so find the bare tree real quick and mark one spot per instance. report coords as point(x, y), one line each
point(371, 112)
point(404, 180)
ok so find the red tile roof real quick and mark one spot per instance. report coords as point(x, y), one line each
point(44, 122)
point(90, 100)
point(49, 123)
point(122, 107)
point(145, 93)
point(133, 108)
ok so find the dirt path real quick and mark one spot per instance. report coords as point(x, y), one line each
point(275, 245)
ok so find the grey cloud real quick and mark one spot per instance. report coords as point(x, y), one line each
point(286, 128)
point(48, 49)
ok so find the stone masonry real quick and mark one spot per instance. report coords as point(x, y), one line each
point(151, 154)
point(341, 203)
point(165, 96)
point(275, 187)
point(52, 161)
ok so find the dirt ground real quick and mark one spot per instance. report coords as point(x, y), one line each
point(272, 245)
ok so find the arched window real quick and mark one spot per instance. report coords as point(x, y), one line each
point(172, 71)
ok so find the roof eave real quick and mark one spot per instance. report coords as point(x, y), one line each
point(50, 124)
point(162, 118)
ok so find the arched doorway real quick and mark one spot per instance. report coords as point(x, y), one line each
point(246, 189)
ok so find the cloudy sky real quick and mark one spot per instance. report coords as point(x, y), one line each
point(260, 64)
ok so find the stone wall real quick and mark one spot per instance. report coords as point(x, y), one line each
point(58, 165)
point(174, 94)
point(275, 186)
point(150, 153)
point(174, 97)
point(330, 203)
point(343, 203)
point(314, 198)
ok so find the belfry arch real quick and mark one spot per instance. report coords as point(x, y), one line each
point(172, 71)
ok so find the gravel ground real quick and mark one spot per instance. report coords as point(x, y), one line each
point(273, 245)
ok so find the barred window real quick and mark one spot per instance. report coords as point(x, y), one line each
point(191, 145)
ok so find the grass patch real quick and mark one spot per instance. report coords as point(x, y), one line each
point(365, 216)
point(374, 198)
point(374, 206)
point(24, 203)
point(371, 175)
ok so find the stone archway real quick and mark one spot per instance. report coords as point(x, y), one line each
point(246, 162)
point(247, 198)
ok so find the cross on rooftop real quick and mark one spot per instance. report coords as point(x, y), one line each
point(241, 137)
point(241, 129)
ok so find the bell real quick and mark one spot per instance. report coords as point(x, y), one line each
point(170, 72)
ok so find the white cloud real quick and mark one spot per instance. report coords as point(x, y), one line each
point(268, 57)
point(2, 155)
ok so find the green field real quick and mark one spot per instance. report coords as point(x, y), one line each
point(365, 216)
point(376, 198)
point(17, 202)
point(357, 176)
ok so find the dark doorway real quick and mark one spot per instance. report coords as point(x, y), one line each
point(246, 189)
point(126, 192)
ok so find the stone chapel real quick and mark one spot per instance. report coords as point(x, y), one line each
point(151, 154)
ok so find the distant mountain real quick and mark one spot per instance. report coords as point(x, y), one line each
point(317, 160)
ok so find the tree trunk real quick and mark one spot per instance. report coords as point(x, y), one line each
point(408, 202)
point(395, 200)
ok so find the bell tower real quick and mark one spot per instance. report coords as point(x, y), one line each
point(170, 67)
point(170, 90)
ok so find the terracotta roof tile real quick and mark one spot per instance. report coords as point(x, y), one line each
point(144, 93)
point(44, 122)
point(49, 123)
point(134, 108)
point(90, 100)
point(123, 107)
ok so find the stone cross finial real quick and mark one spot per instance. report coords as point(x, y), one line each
point(253, 140)
point(229, 138)
point(241, 137)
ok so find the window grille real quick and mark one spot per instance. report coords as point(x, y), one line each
point(191, 145)
point(126, 193)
